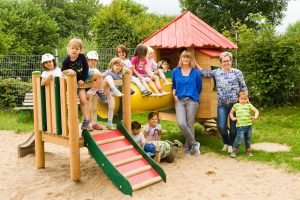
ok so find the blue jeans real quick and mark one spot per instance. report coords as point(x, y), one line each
point(243, 133)
point(185, 114)
point(223, 113)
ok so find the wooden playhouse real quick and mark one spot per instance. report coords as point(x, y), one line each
point(189, 32)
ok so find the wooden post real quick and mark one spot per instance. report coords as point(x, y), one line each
point(73, 128)
point(39, 144)
point(126, 102)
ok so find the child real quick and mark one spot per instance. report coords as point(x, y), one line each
point(92, 58)
point(244, 118)
point(139, 65)
point(163, 66)
point(76, 63)
point(122, 52)
point(115, 72)
point(152, 69)
point(51, 70)
point(136, 134)
point(152, 133)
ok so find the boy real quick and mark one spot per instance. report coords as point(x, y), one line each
point(244, 118)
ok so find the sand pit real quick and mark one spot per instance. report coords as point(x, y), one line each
point(206, 177)
point(270, 147)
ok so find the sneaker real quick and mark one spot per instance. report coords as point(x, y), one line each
point(225, 147)
point(248, 153)
point(101, 96)
point(109, 126)
point(177, 143)
point(97, 127)
point(230, 149)
point(85, 124)
point(117, 92)
point(233, 154)
point(89, 128)
point(146, 93)
point(187, 151)
point(169, 142)
point(131, 91)
point(196, 149)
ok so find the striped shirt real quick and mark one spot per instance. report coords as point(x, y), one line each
point(243, 114)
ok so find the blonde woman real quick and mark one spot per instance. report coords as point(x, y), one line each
point(186, 86)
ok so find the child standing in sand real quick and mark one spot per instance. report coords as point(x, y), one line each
point(50, 69)
point(243, 111)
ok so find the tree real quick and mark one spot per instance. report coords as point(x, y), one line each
point(293, 29)
point(124, 22)
point(26, 28)
point(222, 13)
point(71, 15)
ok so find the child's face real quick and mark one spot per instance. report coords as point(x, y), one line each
point(149, 55)
point(49, 65)
point(153, 121)
point(121, 54)
point(243, 99)
point(165, 66)
point(92, 63)
point(74, 51)
point(116, 68)
point(136, 131)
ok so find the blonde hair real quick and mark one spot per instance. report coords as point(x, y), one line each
point(77, 41)
point(187, 54)
point(245, 93)
point(225, 54)
point(117, 61)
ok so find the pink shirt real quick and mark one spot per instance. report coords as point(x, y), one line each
point(139, 66)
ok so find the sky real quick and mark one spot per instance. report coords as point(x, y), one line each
point(171, 7)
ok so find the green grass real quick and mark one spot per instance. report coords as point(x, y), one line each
point(10, 120)
point(278, 125)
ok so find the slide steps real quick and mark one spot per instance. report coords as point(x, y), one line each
point(124, 158)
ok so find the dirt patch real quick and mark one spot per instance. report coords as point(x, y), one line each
point(270, 147)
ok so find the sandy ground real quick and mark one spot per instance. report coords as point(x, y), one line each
point(204, 177)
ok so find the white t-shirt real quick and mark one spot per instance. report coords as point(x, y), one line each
point(127, 63)
point(139, 139)
point(55, 73)
point(152, 133)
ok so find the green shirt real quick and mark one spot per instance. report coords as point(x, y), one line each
point(243, 114)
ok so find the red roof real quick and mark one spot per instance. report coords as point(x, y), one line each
point(209, 52)
point(187, 30)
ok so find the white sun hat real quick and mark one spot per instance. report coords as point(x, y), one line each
point(47, 57)
point(92, 55)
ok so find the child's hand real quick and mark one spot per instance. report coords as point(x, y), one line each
point(80, 83)
point(71, 72)
point(253, 118)
point(140, 77)
point(233, 118)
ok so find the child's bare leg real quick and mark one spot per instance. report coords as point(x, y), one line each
point(111, 107)
point(162, 76)
point(98, 77)
point(84, 108)
point(114, 89)
point(152, 85)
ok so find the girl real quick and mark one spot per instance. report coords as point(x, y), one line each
point(92, 58)
point(122, 52)
point(139, 65)
point(115, 72)
point(152, 133)
point(51, 70)
point(152, 69)
point(76, 63)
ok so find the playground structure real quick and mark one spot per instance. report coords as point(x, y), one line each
point(189, 32)
point(56, 121)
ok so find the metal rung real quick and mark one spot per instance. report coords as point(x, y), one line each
point(114, 139)
point(128, 160)
point(114, 151)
